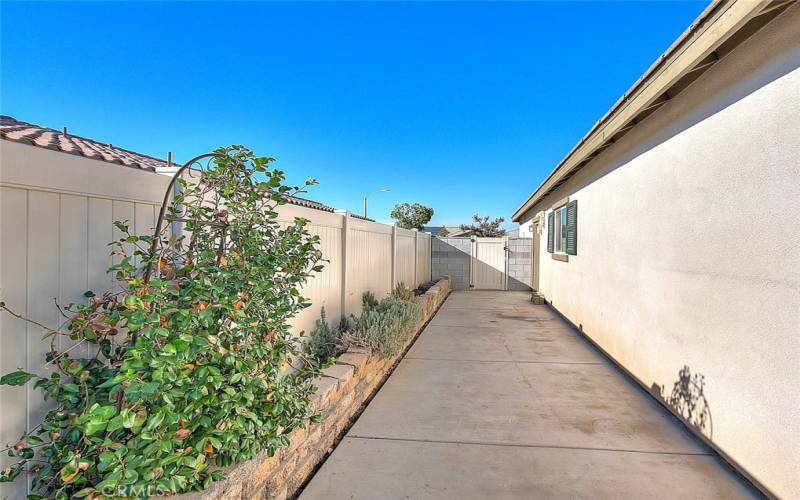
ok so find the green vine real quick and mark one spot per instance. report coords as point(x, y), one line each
point(192, 371)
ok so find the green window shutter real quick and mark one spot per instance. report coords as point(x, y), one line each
point(550, 232)
point(572, 228)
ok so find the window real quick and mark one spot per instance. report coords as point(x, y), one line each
point(562, 229)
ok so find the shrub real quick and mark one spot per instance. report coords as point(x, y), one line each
point(368, 300)
point(385, 326)
point(196, 376)
point(325, 342)
point(401, 291)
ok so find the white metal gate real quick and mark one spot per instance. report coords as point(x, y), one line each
point(488, 264)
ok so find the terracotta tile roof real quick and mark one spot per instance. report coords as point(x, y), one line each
point(356, 216)
point(452, 231)
point(15, 130)
point(302, 202)
point(12, 129)
point(294, 200)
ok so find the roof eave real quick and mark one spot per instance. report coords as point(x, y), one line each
point(687, 58)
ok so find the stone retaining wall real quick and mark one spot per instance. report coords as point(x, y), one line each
point(343, 390)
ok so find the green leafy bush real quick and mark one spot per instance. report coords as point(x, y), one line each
point(401, 291)
point(384, 326)
point(411, 215)
point(197, 376)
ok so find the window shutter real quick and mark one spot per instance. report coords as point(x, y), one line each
point(572, 228)
point(550, 232)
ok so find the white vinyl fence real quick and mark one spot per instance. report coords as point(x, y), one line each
point(360, 256)
point(56, 220)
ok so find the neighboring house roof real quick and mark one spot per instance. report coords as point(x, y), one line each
point(302, 202)
point(12, 129)
point(28, 133)
point(722, 26)
point(452, 231)
point(456, 232)
point(356, 216)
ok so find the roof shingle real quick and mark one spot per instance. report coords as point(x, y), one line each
point(17, 131)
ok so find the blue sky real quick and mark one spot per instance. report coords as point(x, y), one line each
point(464, 107)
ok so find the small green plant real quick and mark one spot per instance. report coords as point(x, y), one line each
point(443, 232)
point(324, 341)
point(368, 301)
point(384, 326)
point(344, 325)
point(401, 291)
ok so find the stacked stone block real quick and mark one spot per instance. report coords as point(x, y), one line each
point(451, 257)
point(519, 263)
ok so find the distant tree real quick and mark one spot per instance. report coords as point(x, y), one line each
point(411, 215)
point(484, 226)
point(443, 232)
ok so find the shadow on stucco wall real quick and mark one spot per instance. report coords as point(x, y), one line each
point(687, 399)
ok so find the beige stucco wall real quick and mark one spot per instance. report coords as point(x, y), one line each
point(689, 252)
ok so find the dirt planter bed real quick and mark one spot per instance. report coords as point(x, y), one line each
point(343, 391)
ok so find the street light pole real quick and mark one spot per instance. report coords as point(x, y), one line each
point(368, 195)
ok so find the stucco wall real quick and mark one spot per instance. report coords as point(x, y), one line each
point(688, 264)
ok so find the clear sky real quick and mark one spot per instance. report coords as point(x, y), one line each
point(464, 107)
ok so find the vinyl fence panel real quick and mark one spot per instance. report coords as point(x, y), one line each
point(13, 340)
point(423, 258)
point(404, 272)
point(324, 289)
point(369, 262)
point(55, 225)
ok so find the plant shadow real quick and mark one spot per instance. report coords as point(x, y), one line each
point(687, 399)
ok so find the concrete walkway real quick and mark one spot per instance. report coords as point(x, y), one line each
point(499, 398)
